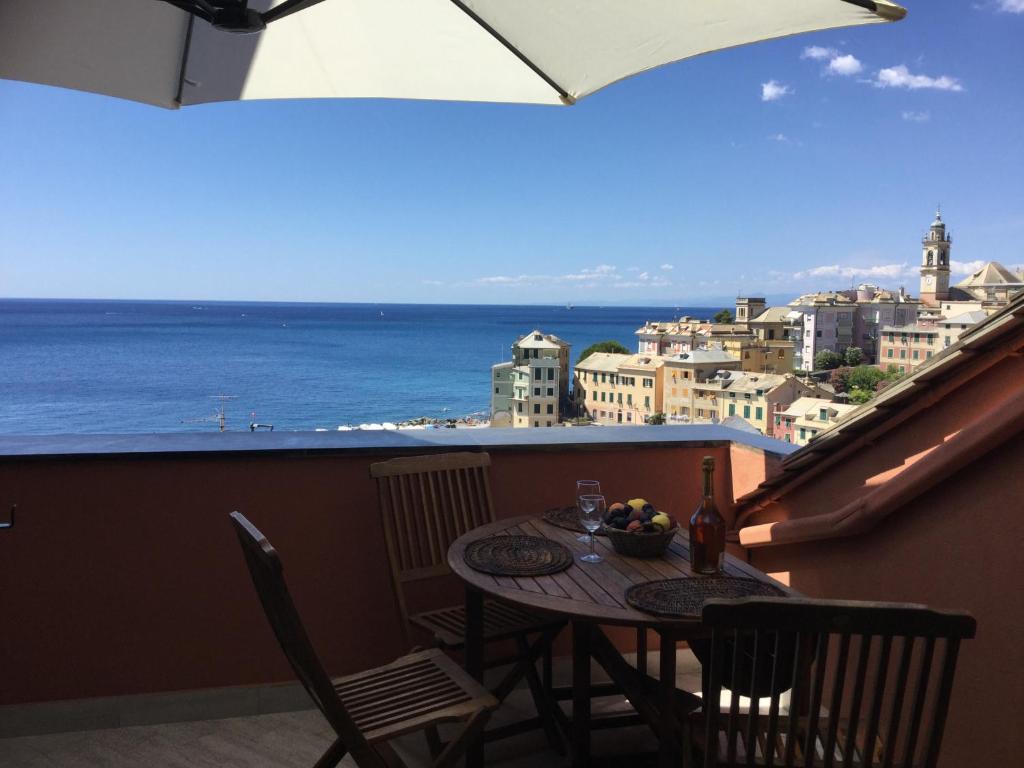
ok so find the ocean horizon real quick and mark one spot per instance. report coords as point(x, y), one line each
point(92, 366)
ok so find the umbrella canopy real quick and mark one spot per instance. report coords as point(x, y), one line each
point(532, 51)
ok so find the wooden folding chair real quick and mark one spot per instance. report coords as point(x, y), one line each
point(426, 503)
point(414, 693)
point(863, 686)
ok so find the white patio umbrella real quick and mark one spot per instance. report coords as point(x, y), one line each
point(178, 52)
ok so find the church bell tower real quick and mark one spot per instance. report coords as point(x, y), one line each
point(935, 263)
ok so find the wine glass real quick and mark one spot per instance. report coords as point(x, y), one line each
point(591, 517)
point(586, 488)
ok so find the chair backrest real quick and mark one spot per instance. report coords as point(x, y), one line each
point(427, 502)
point(268, 578)
point(866, 687)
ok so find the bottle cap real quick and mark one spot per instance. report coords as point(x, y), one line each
point(709, 462)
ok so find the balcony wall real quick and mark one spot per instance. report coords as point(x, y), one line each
point(122, 574)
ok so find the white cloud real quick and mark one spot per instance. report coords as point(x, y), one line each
point(780, 137)
point(774, 90)
point(917, 117)
point(432, 282)
point(1011, 6)
point(901, 77)
point(643, 276)
point(890, 271)
point(667, 267)
point(585, 278)
point(818, 53)
point(845, 65)
point(966, 267)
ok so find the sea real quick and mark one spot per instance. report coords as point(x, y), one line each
point(96, 366)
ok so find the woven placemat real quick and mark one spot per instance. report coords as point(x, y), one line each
point(684, 598)
point(517, 556)
point(568, 518)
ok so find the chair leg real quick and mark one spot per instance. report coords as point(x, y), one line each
point(434, 743)
point(333, 755)
point(541, 700)
point(457, 746)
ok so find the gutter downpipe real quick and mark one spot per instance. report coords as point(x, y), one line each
point(860, 516)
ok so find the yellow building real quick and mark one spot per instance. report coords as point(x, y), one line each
point(680, 373)
point(618, 389)
point(753, 397)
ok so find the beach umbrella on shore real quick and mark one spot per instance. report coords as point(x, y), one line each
point(173, 53)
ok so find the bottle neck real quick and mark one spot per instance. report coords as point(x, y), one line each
point(708, 473)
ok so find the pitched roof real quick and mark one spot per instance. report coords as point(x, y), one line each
point(538, 340)
point(992, 273)
point(907, 393)
point(605, 362)
point(702, 357)
point(643, 362)
point(967, 318)
point(772, 315)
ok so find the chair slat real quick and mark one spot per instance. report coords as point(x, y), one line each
point(863, 653)
point(923, 676)
point(838, 681)
point(899, 691)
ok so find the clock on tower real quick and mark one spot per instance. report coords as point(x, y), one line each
point(935, 245)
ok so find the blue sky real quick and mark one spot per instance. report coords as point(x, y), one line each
point(769, 169)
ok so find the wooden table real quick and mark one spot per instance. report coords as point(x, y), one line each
point(592, 594)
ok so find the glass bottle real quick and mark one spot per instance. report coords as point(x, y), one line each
point(707, 529)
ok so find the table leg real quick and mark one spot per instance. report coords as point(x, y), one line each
point(581, 639)
point(475, 663)
point(667, 749)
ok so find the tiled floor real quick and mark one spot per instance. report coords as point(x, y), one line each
point(295, 739)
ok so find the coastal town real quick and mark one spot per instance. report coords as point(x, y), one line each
point(787, 372)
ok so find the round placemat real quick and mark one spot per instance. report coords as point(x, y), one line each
point(684, 598)
point(517, 556)
point(568, 518)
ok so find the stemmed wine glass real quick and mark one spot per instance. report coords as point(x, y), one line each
point(586, 488)
point(591, 517)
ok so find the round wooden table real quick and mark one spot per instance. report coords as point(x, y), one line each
point(592, 594)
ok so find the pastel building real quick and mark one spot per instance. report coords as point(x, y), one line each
point(618, 389)
point(532, 389)
point(806, 417)
point(952, 327)
point(904, 348)
point(827, 322)
point(753, 397)
point(680, 375)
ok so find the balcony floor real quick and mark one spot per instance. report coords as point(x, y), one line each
point(298, 739)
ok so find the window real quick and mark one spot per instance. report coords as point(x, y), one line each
point(551, 374)
point(594, 393)
point(746, 411)
point(778, 420)
point(536, 373)
point(758, 413)
point(620, 398)
point(917, 337)
point(549, 423)
point(536, 423)
point(888, 352)
point(604, 377)
point(629, 416)
point(732, 409)
point(584, 375)
point(519, 407)
point(746, 395)
point(700, 413)
point(916, 354)
point(947, 342)
point(551, 391)
point(536, 391)
point(903, 369)
point(803, 433)
point(536, 407)
point(629, 398)
point(892, 336)
point(931, 339)
point(602, 397)
point(647, 403)
point(551, 409)
point(929, 355)
point(823, 414)
point(818, 334)
point(495, 390)
point(903, 354)
point(648, 383)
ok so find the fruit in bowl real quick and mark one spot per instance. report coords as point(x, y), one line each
point(637, 516)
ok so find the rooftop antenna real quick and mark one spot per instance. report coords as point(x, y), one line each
point(218, 416)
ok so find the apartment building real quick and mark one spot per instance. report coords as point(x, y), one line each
point(952, 327)
point(753, 397)
point(532, 389)
point(619, 389)
point(806, 417)
point(906, 347)
point(827, 321)
point(876, 308)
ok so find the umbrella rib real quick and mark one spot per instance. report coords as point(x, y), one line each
point(562, 93)
point(184, 60)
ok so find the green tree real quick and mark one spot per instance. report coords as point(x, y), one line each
point(603, 346)
point(840, 379)
point(860, 396)
point(656, 418)
point(826, 360)
point(865, 377)
point(725, 316)
point(853, 356)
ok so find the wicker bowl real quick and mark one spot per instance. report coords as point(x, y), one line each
point(639, 544)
